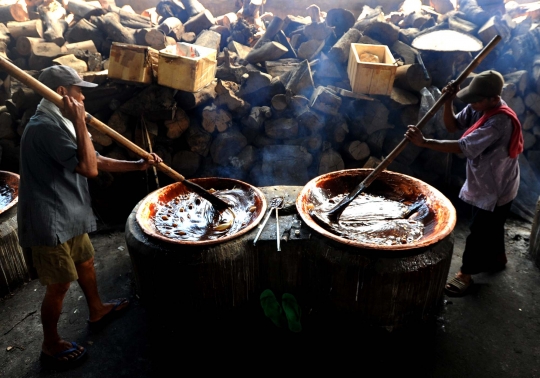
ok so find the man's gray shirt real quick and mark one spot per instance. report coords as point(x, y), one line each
point(54, 201)
point(492, 176)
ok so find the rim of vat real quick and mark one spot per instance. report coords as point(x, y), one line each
point(7, 177)
point(446, 210)
point(144, 218)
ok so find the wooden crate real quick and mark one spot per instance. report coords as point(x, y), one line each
point(131, 63)
point(371, 78)
point(187, 67)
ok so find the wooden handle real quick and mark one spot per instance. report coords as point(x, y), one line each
point(336, 211)
point(55, 98)
point(396, 151)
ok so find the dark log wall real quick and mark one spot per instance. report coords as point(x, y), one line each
point(279, 8)
point(282, 110)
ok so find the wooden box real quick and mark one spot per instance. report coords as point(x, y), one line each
point(132, 63)
point(371, 78)
point(186, 67)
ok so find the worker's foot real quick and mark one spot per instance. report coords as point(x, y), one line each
point(108, 308)
point(62, 355)
point(459, 285)
point(60, 346)
point(107, 312)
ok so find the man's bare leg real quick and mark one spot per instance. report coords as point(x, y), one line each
point(51, 308)
point(87, 281)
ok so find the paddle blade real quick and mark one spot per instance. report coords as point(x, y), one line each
point(218, 203)
point(336, 211)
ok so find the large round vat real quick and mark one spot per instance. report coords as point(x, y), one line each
point(13, 268)
point(329, 278)
point(205, 278)
point(386, 285)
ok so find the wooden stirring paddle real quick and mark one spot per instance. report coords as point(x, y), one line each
point(55, 98)
point(334, 213)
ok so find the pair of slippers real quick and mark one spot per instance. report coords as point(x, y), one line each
point(457, 288)
point(286, 313)
point(56, 361)
point(110, 316)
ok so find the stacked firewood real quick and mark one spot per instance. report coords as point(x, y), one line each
point(281, 109)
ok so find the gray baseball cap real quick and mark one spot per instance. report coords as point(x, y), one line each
point(64, 76)
point(484, 85)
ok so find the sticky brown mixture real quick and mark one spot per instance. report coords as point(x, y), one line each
point(190, 217)
point(375, 219)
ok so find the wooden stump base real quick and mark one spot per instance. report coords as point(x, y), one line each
point(367, 286)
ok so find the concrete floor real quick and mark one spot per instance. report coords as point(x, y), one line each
point(493, 332)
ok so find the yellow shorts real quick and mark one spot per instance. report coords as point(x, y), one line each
point(57, 264)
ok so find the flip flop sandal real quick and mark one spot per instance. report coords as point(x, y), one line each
point(108, 317)
point(56, 363)
point(457, 288)
point(272, 309)
point(293, 312)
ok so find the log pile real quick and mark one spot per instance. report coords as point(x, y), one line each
point(281, 109)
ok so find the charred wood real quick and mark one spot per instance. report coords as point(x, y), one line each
point(193, 7)
point(13, 12)
point(32, 28)
point(81, 8)
point(227, 96)
point(199, 22)
point(186, 162)
point(300, 81)
point(84, 30)
point(53, 29)
point(281, 128)
point(111, 26)
point(308, 50)
point(330, 161)
point(129, 19)
point(172, 27)
point(340, 51)
point(177, 126)
point(411, 77)
point(340, 19)
point(227, 145)
point(191, 100)
point(253, 123)
point(214, 118)
point(326, 101)
point(210, 39)
point(172, 8)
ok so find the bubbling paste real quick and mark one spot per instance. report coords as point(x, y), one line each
point(375, 219)
point(192, 218)
point(6, 195)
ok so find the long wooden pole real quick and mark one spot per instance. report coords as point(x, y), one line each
point(55, 98)
point(336, 211)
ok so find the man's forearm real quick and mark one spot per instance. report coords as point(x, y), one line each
point(86, 153)
point(449, 118)
point(113, 165)
point(449, 146)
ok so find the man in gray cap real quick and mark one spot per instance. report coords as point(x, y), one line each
point(54, 211)
point(491, 143)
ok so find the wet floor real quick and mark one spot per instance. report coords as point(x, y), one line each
point(492, 333)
